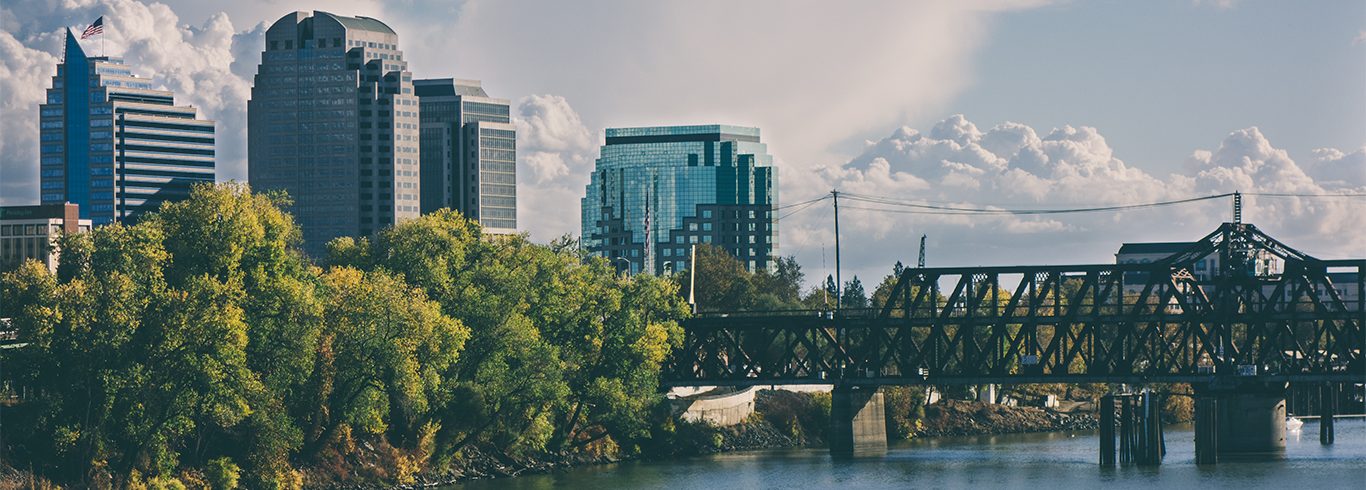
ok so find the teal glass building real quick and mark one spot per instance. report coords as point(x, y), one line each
point(657, 191)
point(113, 144)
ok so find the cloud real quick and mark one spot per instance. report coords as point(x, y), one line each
point(555, 152)
point(1360, 39)
point(25, 72)
point(1010, 167)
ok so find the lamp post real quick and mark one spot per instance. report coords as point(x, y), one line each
point(627, 270)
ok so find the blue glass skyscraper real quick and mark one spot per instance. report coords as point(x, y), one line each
point(657, 191)
point(113, 144)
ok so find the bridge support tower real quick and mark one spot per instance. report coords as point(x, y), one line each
point(857, 420)
point(1246, 421)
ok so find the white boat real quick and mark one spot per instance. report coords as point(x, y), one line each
point(1292, 423)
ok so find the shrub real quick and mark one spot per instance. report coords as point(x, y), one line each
point(222, 474)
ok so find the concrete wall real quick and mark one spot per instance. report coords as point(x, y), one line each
point(722, 409)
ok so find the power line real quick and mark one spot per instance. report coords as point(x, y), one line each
point(929, 209)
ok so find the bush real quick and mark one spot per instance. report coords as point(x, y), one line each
point(905, 407)
point(222, 474)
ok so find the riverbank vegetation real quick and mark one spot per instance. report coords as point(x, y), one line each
point(199, 348)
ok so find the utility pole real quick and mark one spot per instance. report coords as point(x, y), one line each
point(839, 282)
point(692, 278)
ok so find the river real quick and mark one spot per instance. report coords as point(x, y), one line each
point(1044, 461)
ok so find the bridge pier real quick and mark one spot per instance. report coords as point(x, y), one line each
point(1248, 422)
point(857, 420)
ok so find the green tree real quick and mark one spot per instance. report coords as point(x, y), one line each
point(387, 350)
point(854, 297)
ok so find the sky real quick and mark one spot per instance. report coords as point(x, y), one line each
point(1014, 104)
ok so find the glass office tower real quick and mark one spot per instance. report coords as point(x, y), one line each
point(657, 191)
point(333, 121)
point(469, 153)
point(114, 145)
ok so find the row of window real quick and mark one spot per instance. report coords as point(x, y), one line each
point(349, 77)
point(22, 230)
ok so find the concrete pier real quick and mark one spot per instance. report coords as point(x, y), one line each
point(857, 420)
point(1250, 424)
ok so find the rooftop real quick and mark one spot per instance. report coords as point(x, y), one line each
point(675, 134)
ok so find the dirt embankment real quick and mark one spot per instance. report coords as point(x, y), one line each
point(957, 417)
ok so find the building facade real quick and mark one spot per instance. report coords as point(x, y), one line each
point(30, 232)
point(469, 153)
point(333, 121)
point(114, 145)
point(657, 191)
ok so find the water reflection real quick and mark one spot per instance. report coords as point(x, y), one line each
point(1052, 461)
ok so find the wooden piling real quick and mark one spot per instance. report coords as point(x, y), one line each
point(1206, 430)
point(1126, 430)
point(1326, 412)
point(1107, 430)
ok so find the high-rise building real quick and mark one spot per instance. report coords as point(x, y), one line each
point(113, 144)
point(333, 121)
point(657, 191)
point(469, 153)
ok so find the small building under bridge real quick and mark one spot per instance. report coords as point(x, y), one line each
point(1257, 315)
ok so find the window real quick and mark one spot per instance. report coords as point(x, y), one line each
point(706, 213)
point(668, 252)
point(678, 239)
point(692, 239)
point(692, 226)
point(680, 252)
point(54, 98)
point(706, 226)
point(274, 45)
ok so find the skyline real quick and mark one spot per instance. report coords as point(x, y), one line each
point(1164, 108)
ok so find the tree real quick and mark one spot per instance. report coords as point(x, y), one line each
point(723, 283)
point(394, 344)
point(129, 363)
point(854, 296)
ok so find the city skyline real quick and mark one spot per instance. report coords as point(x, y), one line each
point(1161, 104)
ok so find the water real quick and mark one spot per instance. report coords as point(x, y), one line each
point(1048, 461)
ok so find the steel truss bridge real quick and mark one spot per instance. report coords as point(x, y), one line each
point(1163, 321)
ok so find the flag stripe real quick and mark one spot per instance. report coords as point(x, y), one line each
point(95, 28)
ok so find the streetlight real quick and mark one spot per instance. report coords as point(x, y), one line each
point(669, 268)
point(627, 270)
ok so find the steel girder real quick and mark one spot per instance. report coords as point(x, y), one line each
point(1154, 322)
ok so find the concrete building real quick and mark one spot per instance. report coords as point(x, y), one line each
point(114, 145)
point(469, 153)
point(1262, 264)
point(334, 122)
point(30, 232)
point(657, 191)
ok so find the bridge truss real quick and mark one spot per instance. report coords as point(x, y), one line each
point(1166, 321)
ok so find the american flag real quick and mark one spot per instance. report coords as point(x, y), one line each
point(96, 28)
